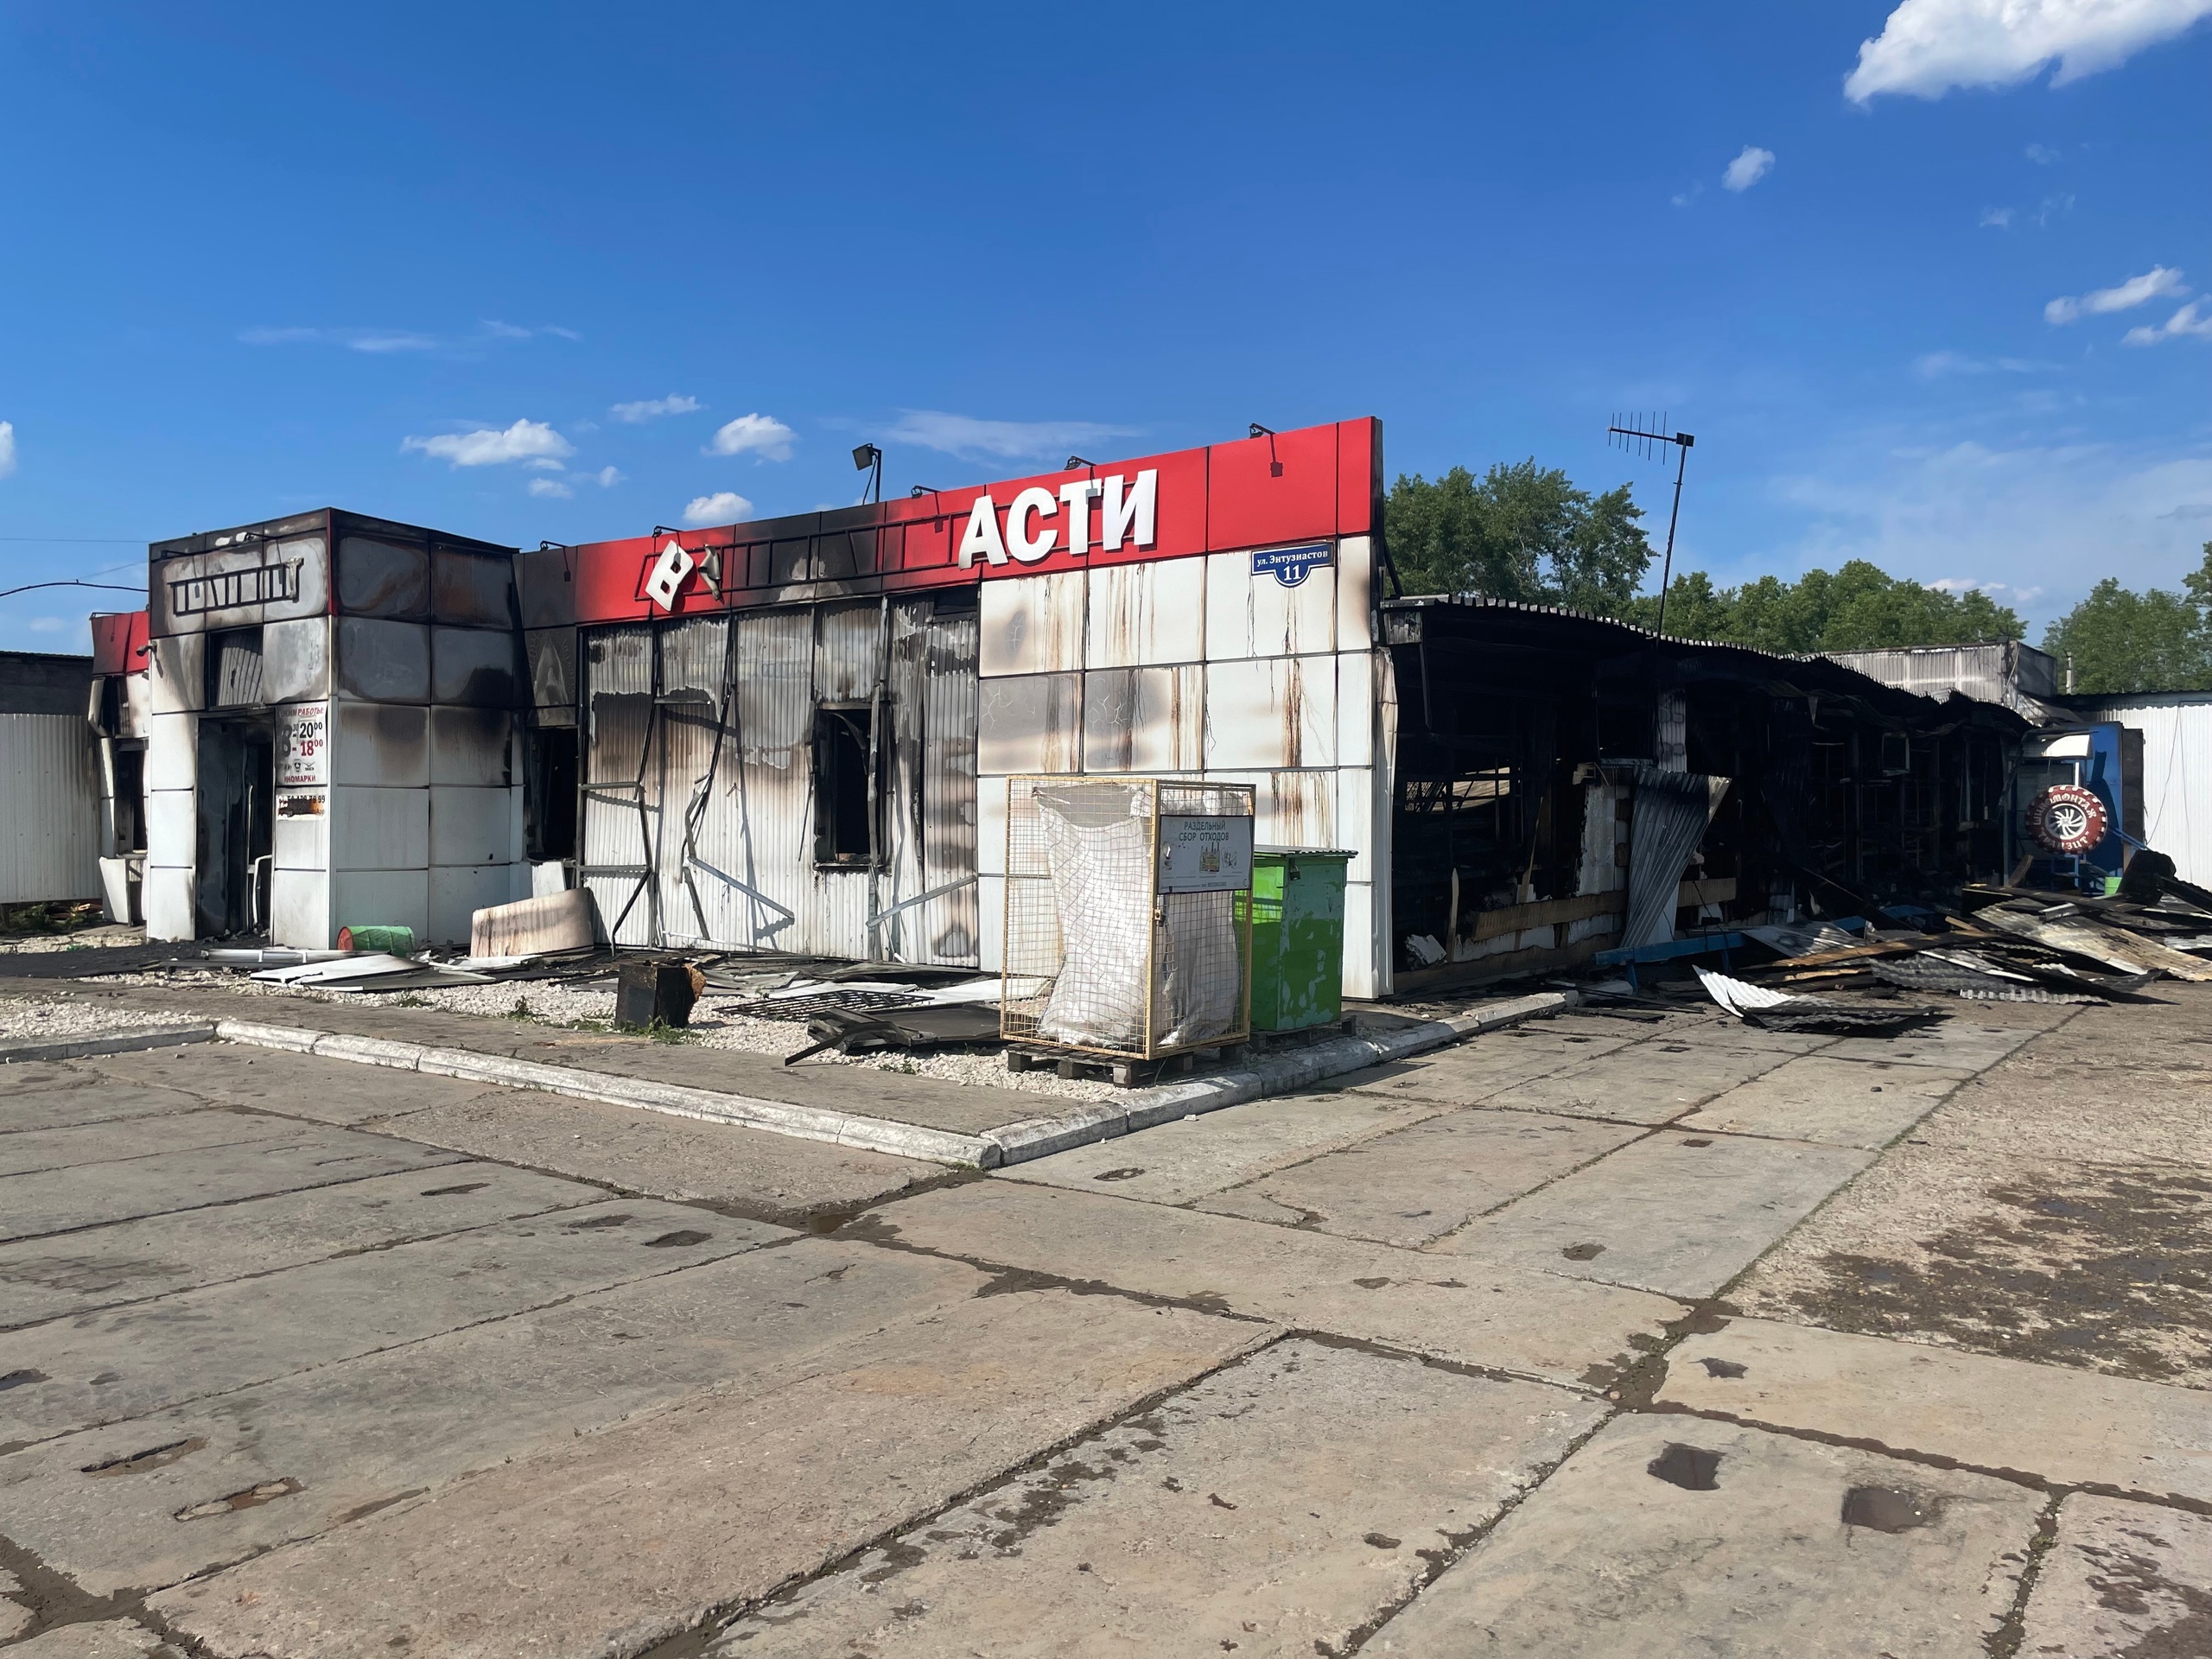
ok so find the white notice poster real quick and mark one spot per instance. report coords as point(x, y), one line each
point(302, 745)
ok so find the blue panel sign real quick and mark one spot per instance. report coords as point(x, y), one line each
point(1292, 565)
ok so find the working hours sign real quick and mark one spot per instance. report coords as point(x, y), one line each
point(303, 746)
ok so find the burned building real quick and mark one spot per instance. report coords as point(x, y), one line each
point(796, 734)
point(329, 730)
point(1542, 810)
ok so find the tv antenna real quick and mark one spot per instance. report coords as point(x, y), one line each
point(1644, 435)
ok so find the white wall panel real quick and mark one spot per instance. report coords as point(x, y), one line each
point(1141, 614)
point(386, 746)
point(380, 661)
point(176, 675)
point(1144, 720)
point(990, 907)
point(471, 746)
point(1271, 711)
point(1356, 709)
point(379, 829)
point(1354, 593)
point(990, 825)
point(167, 898)
point(172, 828)
point(296, 659)
point(303, 843)
point(172, 751)
point(299, 909)
point(1355, 820)
point(1360, 952)
point(1290, 809)
point(1033, 722)
point(1249, 616)
point(2176, 779)
point(1033, 624)
point(471, 826)
point(458, 893)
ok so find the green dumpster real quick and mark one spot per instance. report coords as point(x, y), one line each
point(1298, 936)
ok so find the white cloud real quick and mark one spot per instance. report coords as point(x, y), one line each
point(1748, 168)
point(1996, 218)
point(2003, 593)
point(607, 477)
point(2041, 155)
point(1937, 364)
point(7, 447)
point(551, 488)
point(2191, 322)
point(1928, 47)
point(1685, 197)
point(963, 435)
point(49, 623)
point(650, 409)
point(722, 508)
point(2055, 517)
point(763, 435)
point(384, 342)
point(525, 441)
point(2155, 283)
point(503, 330)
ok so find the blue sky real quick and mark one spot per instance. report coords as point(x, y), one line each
point(557, 271)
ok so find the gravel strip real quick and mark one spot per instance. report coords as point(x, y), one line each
point(42, 1020)
point(550, 1002)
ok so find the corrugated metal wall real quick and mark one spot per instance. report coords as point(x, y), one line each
point(49, 809)
point(2177, 778)
point(707, 783)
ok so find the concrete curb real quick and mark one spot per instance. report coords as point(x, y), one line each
point(116, 1042)
point(1010, 1143)
point(1278, 1074)
point(779, 1117)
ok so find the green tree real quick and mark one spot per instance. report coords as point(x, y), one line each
point(1518, 532)
point(1860, 606)
point(2151, 641)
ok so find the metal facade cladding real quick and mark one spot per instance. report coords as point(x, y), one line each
point(1316, 483)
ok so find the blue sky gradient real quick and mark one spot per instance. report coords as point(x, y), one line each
point(251, 251)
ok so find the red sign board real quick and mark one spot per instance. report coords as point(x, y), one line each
point(1314, 484)
point(119, 642)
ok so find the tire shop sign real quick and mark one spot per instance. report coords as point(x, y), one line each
point(2068, 819)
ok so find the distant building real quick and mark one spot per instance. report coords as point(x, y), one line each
point(49, 791)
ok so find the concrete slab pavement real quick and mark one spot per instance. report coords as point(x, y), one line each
point(1468, 1312)
point(149, 1501)
point(293, 1159)
point(1410, 1186)
point(1679, 1214)
point(1830, 1102)
point(83, 1096)
point(1279, 1507)
point(1184, 1159)
point(1666, 1537)
point(116, 1638)
point(1649, 1084)
point(2122, 1582)
point(31, 1151)
point(2074, 1428)
point(131, 1362)
point(694, 1509)
point(158, 1255)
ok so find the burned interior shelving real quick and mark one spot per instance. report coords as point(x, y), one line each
point(1523, 734)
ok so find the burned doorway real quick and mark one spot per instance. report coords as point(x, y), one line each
point(236, 785)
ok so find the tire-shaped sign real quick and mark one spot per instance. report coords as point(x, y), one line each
point(2067, 818)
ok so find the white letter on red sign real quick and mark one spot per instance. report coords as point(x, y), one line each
point(1030, 501)
point(669, 572)
point(1134, 517)
point(1079, 497)
point(982, 535)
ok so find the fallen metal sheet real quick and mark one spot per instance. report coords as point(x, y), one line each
point(1671, 811)
point(2027, 994)
point(800, 1009)
point(852, 1031)
point(338, 971)
point(1779, 1011)
point(1802, 941)
point(528, 927)
point(1930, 972)
point(2115, 947)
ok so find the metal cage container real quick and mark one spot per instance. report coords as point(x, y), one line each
point(1129, 915)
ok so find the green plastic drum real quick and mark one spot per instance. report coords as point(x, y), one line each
point(1298, 936)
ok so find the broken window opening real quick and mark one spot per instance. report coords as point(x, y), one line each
point(549, 795)
point(844, 804)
